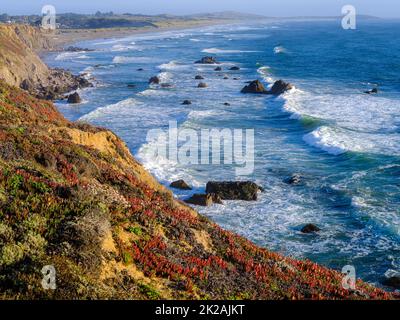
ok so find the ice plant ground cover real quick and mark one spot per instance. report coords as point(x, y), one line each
point(72, 196)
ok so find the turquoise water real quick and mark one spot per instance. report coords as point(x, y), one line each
point(344, 143)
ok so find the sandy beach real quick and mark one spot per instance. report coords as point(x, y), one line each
point(64, 37)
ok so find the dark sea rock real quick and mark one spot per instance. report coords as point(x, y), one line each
point(77, 49)
point(207, 60)
point(154, 80)
point(227, 104)
point(226, 78)
point(180, 184)
point(131, 85)
point(218, 69)
point(393, 282)
point(234, 68)
point(74, 98)
point(198, 77)
point(187, 102)
point(166, 85)
point(236, 190)
point(280, 87)
point(204, 200)
point(140, 69)
point(295, 179)
point(254, 87)
point(310, 228)
point(202, 85)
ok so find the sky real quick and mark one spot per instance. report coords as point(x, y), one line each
point(276, 8)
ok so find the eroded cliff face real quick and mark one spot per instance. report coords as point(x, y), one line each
point(21, 66)
point(18, 54)
point(72, 196)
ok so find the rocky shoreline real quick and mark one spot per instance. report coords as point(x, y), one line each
point(60, 82)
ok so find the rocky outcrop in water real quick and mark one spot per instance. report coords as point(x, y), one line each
point(74, 98)
point(278, 88)
point(254, 87)
point(207, 60)
point(154, 80)
point(180, 184)
point(236, 190)
point(310, 228)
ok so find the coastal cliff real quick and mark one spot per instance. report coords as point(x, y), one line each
point(21, 66)
point(72, 196)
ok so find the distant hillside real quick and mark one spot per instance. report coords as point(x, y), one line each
point(127, 20)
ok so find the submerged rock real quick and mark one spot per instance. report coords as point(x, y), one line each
point(131, 85)
point(310, 228)
point(234, 68)
point(154, 80)
point(187, 102)
point(207, 60)
point(393, 282)
point(240, 190)
point(198, 77)
point(74, 98)
point(295, 179)
point(227, 104)
point(218, 69)
point(202, 85)
point(180, 184)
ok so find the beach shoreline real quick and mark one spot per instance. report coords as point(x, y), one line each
point(62, 38)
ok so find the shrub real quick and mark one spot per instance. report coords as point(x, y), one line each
point(11, 253)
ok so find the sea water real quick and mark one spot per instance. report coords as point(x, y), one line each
point(345, 144)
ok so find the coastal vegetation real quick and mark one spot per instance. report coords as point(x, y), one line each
point(72, 196)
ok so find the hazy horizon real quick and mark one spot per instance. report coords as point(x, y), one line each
point(272, 8)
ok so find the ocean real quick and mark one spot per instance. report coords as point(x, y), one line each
point(345, 144)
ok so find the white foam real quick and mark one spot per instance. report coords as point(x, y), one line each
point(122, 47)
point(265, 72)
point(126, 60)
point(224, 51)
point(279, 50)
point(102, 111)
point(336, 141)
point(71, 55)
point(172, 65)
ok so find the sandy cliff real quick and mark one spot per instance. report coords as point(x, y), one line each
point(21, 66)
